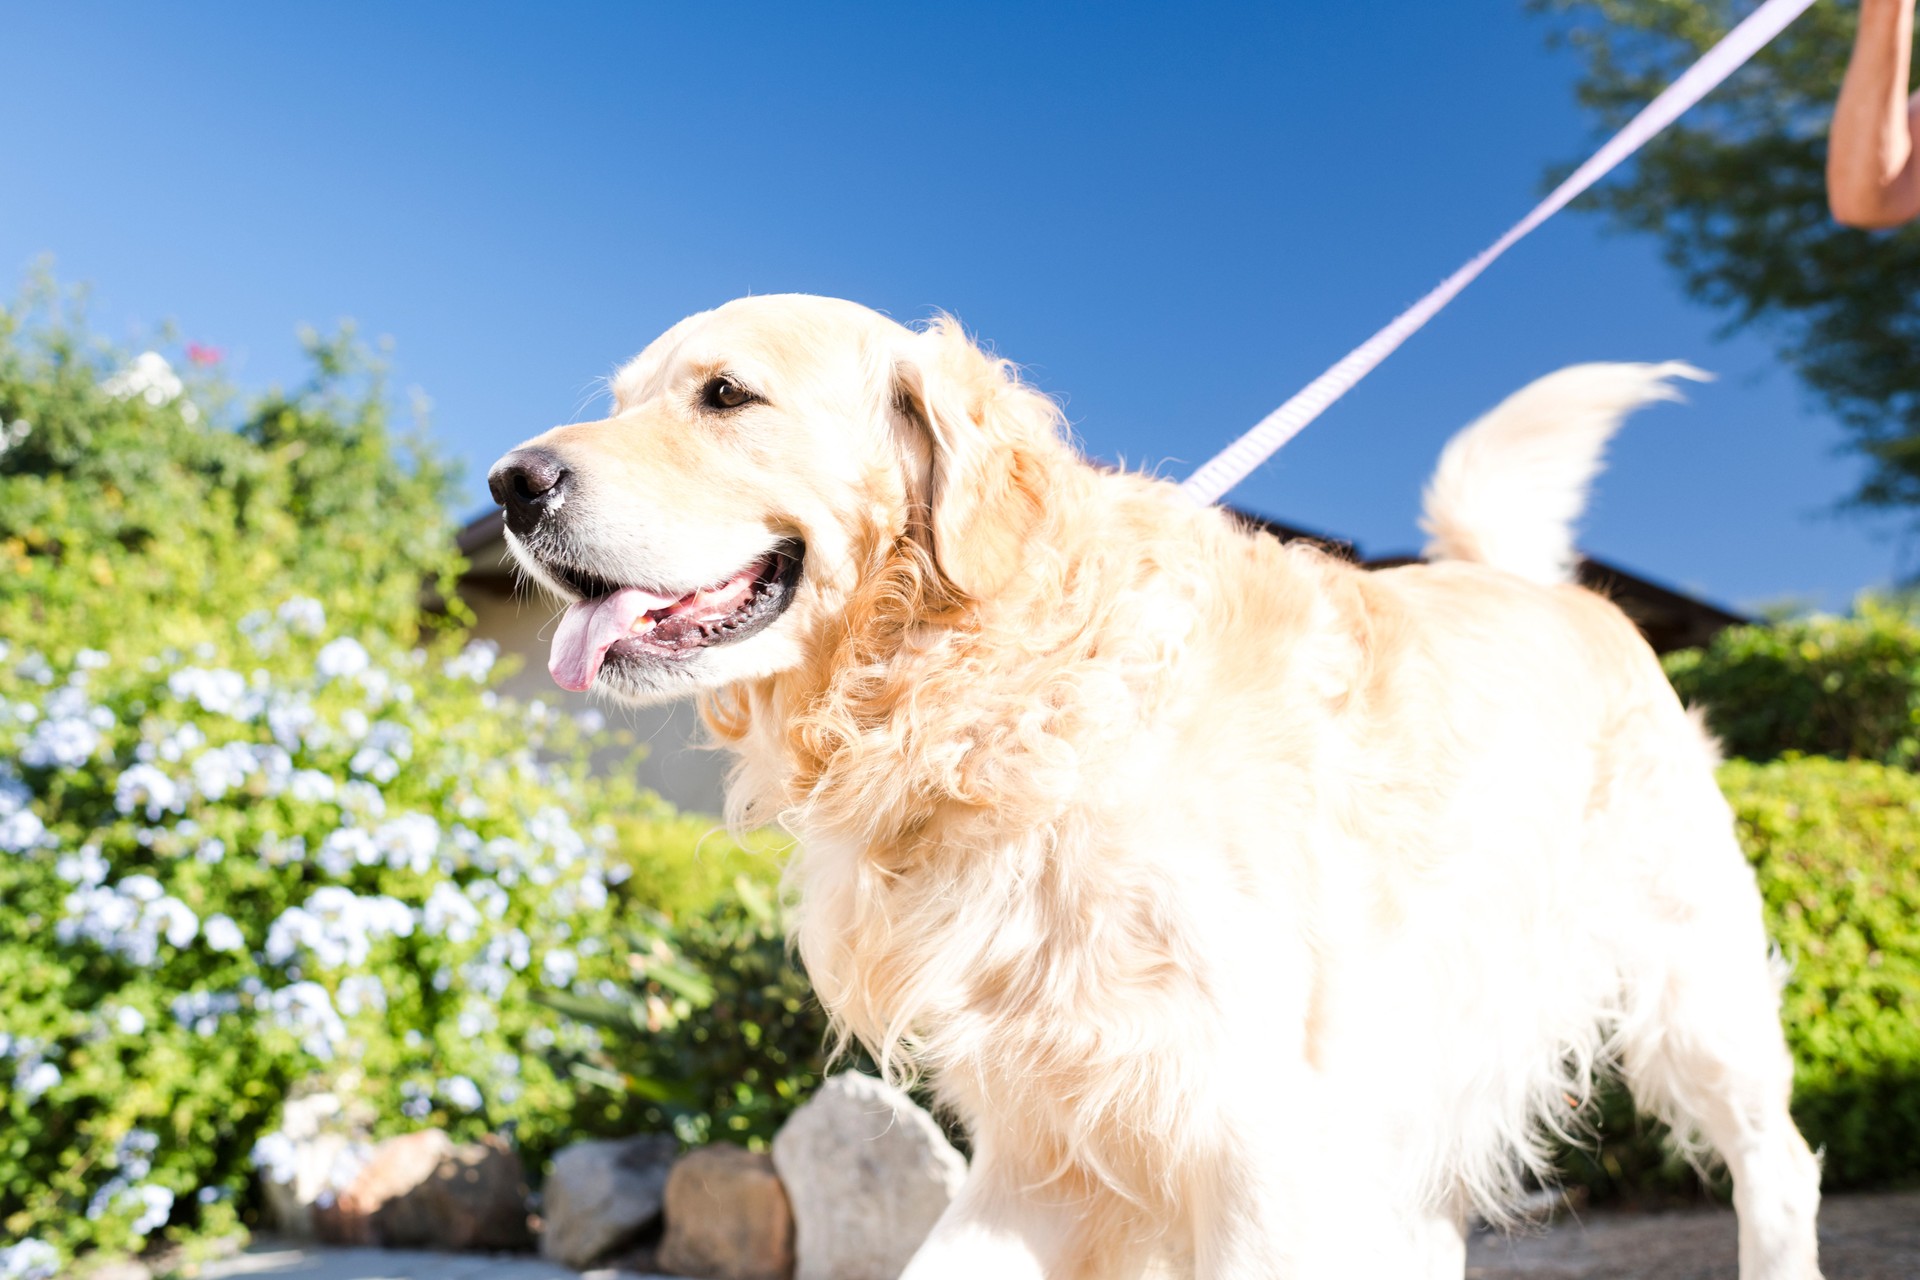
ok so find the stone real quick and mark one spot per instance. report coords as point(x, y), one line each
point(421, 1191)
point(603, 1196)
point(727, 1217)
point(868, 1173)
point(477, 1199)
point(381, 1206)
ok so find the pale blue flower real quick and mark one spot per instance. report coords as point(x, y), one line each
point(476, 1019)
point(346, 848)
point(474, 662)
point(145, 788)
point(362, 799)
point(151, 1205)
point(148, 377)
point(311, 786)
point(305, 1009)
point(21, 831)
point(462, 1093)
point(279, 853)
point(34, 1077)
point(221, 691)
point(173, 746)
point(61, 742)
point(275, 767)
point(489, 897)
point(133, 1156)
point(337, 927)
point(259, 630)
point(29, 1259)
point(559, 967)
point(361, 991)
point(409, 841)
point(128, 919)
point(157, 1207)
point(294, 723)
point(83, 867)
point(303, 614)
point(449, 914)
point(222, 934)
point(340, 658)
point(223, 769)
point(201, 1011)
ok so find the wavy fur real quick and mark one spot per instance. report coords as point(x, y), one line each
point(1256, 914)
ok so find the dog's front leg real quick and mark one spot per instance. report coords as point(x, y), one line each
point(994, 1229)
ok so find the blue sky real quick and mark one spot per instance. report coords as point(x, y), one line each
point(1174, 216)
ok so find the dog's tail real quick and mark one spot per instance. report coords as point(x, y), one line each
point(1509, 487)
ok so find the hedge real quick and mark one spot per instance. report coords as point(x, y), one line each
point(1836, 847)
point(1843, 687)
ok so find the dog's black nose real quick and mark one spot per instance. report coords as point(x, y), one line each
point(528, 483)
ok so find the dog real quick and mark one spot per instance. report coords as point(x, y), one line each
point(1257, 915)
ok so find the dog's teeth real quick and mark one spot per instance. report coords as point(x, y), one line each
point(641, 625)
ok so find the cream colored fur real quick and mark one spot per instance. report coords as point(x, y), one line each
point(1255, 913)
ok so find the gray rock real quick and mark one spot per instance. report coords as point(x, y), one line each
point(601, 1195)
point(868, 1173)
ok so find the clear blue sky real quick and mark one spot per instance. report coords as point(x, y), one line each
point(1173, 215)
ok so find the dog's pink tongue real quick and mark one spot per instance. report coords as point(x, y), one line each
point(590, 628)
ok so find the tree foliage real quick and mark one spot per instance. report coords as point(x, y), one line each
point(1736, 194)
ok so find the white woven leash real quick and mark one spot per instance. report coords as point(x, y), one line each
point(1235, 462)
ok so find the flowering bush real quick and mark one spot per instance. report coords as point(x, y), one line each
point(221, 883)
point(264, 824)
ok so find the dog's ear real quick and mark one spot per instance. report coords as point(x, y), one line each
point(984, 443)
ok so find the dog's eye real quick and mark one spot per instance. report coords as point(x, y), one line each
point(723, 391)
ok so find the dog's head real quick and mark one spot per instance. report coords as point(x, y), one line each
point(758, 456)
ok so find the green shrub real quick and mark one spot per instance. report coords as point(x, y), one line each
point(1848, 687)
point(1836, 847)
point(718, 1035)
point(262, 824)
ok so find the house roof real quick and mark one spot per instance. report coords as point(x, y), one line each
point(1670, 618)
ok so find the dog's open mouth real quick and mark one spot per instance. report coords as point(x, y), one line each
point(615, 624)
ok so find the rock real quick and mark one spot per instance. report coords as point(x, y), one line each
point(727, 1217)
point(381, 1206)
point(602, 1196)
point(477, 1199)
point(868, 1173)
point(420, 1191)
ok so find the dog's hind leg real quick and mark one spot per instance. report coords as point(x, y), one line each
point(1700, 1034)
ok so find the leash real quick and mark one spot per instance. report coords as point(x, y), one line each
point(1235, 462)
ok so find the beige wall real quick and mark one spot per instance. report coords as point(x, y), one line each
point(521, 623)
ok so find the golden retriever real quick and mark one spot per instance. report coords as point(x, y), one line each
point(1256, 914)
